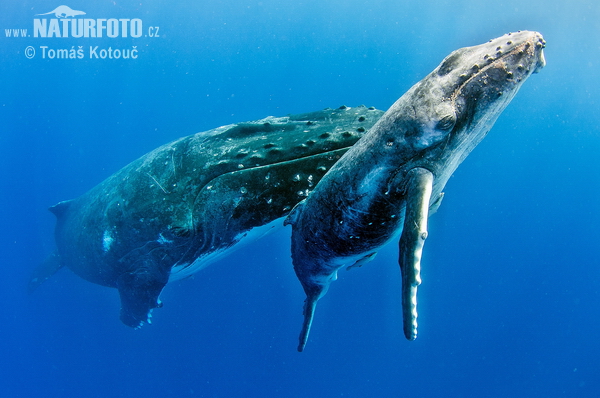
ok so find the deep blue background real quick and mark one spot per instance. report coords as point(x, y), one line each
point(510, 300)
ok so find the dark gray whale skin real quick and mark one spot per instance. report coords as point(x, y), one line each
point(170, 212)
point(391, 180)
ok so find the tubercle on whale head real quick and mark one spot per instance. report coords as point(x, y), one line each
point(455, 106)
point(499, 68)
point(492, 72)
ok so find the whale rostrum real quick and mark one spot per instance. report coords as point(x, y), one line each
point(389, 182)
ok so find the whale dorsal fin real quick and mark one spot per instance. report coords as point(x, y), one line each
point(60, 208)
point(435, 203)
point(293, 216)
point(362, 261)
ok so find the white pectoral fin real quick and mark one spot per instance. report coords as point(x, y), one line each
point(419, 185)
point(309, 313)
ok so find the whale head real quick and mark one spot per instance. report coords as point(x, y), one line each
point(455, 106)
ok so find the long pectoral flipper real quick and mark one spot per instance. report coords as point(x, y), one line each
point(419, 185)
point(309, 312)
point(140, 286)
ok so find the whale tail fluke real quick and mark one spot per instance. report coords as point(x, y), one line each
point(44, 271)
point(52, 263)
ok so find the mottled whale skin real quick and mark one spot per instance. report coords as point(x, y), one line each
point(169, 213)
point(391, 180)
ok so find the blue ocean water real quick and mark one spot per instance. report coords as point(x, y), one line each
point(510, 300)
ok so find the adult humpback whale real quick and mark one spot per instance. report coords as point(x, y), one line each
point(392, 179)
point(174, 210)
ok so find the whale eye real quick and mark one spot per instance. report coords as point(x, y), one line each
point(446, 123)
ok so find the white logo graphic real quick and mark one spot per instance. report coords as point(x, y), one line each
point(66, 23)
point(64, 12)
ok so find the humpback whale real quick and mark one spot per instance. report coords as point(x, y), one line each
point(392, 179)
point(178, 208)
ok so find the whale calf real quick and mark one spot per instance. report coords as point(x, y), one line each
point(173, 211)
point(392, 179)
